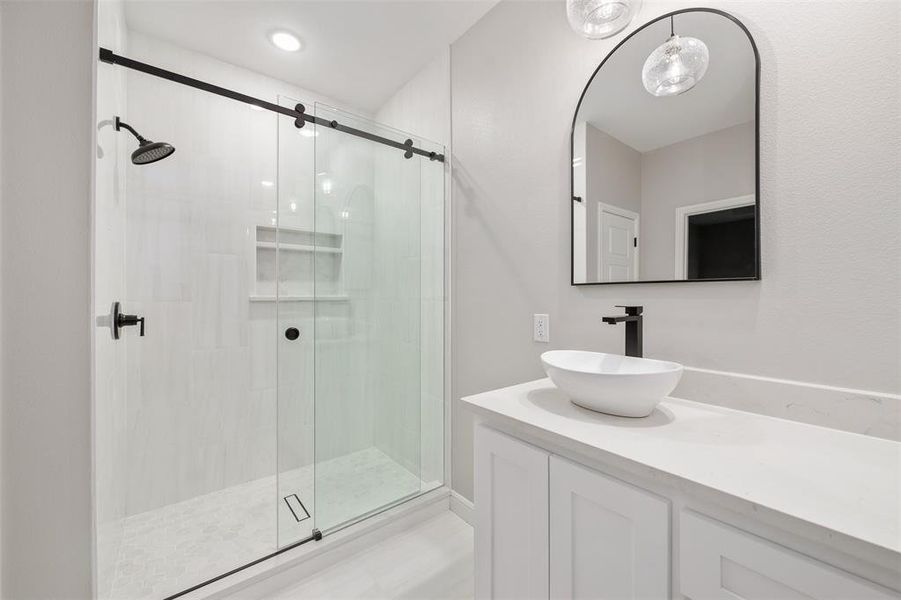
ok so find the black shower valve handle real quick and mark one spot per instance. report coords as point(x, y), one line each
point(119, 320)
point(129, 320)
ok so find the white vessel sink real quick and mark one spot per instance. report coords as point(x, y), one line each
point(610, 383)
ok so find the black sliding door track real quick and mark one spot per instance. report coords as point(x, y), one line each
point(317, 535)
point(297, 113)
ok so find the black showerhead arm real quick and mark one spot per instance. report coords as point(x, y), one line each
point(148, 151)
point(120, 125)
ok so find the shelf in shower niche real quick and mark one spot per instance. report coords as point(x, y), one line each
point(299, 247)
point(287, 298)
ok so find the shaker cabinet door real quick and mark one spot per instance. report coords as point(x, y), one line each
point(609, 540)
point(511, 518)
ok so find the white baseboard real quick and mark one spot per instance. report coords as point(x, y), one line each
point(265, 579)
point(462, 507)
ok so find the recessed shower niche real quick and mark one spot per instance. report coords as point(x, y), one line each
point(286, 259)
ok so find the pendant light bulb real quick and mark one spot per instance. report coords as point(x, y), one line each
point(676, 66)
point(598, 19)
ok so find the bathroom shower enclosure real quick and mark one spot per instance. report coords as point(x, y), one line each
point(286, 265)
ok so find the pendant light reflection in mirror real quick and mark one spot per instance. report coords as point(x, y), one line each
point(676, 66)
point(599, 19)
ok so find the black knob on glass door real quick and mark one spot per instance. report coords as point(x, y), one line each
point(292, 333)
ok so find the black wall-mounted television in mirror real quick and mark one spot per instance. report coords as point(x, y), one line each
point(665, 156)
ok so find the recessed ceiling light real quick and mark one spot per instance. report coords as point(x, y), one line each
point(267, 183)
point(285, 41)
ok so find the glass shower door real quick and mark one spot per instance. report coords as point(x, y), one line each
point(368, 321)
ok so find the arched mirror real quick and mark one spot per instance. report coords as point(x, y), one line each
point(665, 177)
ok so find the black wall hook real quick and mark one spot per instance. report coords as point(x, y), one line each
point(408, 153)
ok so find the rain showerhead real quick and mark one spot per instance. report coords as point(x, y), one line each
point(147, 152)
point(151, 152)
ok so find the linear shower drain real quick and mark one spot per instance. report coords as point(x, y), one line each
point(297, 508)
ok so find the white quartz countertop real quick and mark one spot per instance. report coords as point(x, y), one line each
point(845, 482)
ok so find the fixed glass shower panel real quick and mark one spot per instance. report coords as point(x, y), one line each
point(372, 286)
point(186, 446)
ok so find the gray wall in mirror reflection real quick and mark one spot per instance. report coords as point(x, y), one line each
point(711, 167)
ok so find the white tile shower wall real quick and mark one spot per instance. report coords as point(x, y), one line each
point(202, 384)
point(110, 416)
point(423, 106)
point(343, 207)
point(395, 327)
point(827, 309)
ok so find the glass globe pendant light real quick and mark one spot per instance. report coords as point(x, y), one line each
point(598, 19)
point(675, 66)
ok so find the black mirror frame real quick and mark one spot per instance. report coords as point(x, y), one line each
point(572, 198)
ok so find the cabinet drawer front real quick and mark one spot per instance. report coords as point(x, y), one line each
point(718, 561)
point(609, 540)
point(511, 518)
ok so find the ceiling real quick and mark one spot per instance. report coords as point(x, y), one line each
point(356, 52)
point(618, 104)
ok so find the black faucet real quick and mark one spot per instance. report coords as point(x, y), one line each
point(632, 319)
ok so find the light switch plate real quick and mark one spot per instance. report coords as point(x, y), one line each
point(541, 325)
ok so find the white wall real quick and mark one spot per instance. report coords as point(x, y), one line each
point(827, 309)
point(47, 81)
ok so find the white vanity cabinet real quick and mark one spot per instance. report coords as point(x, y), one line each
point(547, 527)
